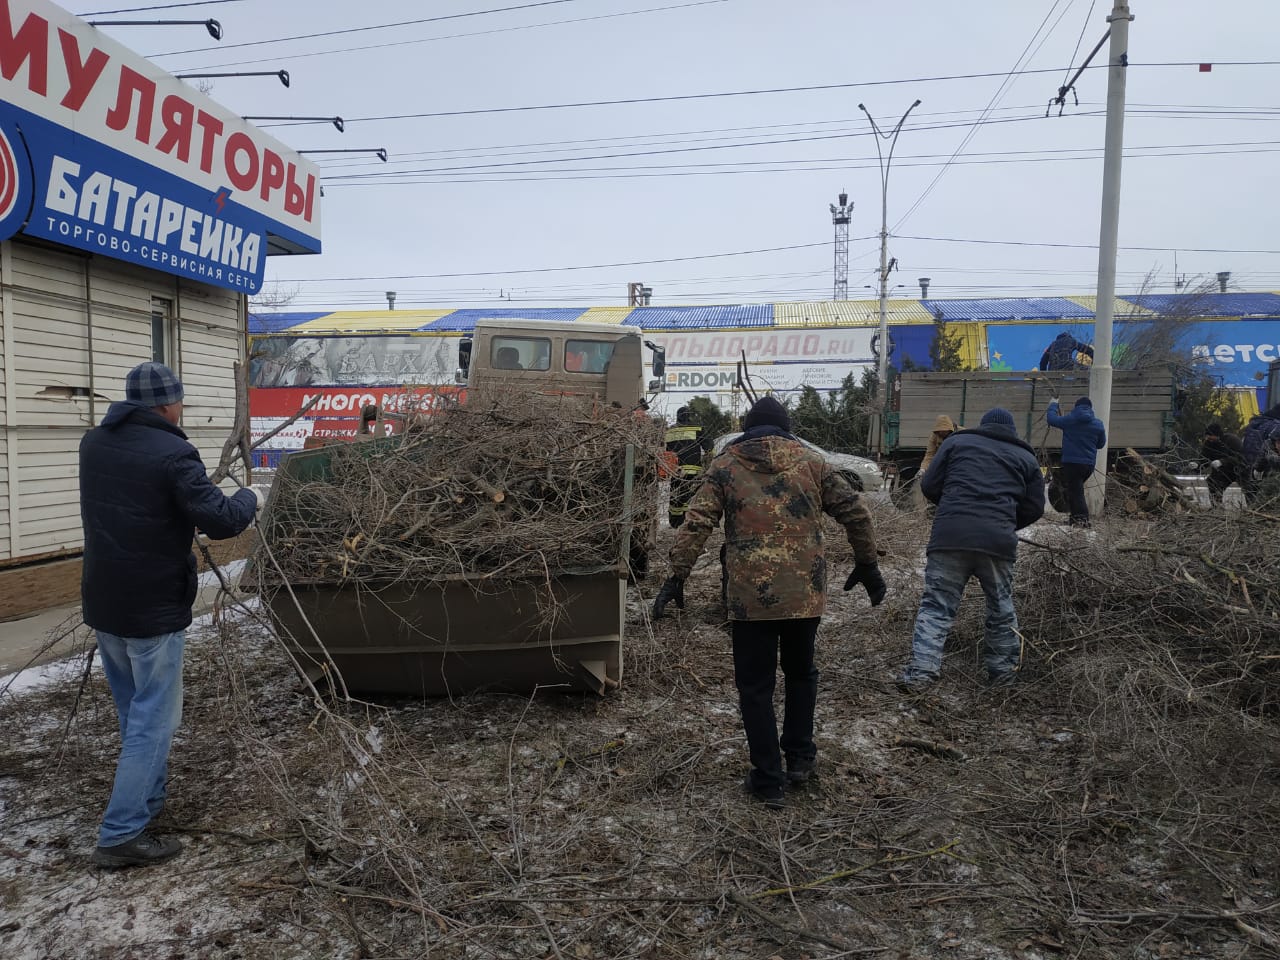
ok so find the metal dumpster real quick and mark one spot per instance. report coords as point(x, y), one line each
point(458, 635)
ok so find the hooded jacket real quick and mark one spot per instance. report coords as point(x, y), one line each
point(143, 493)
point(987, 485)
point(1262, 429)
point(941, 424)
point(772, 491)
point(1083, 434)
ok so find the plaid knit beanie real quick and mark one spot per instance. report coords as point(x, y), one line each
point(152, 385)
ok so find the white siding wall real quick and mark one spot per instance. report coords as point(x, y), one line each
point(76, 322)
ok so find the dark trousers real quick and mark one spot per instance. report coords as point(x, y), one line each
point(1218, 481)
point(756, 648)
point(1073, 477)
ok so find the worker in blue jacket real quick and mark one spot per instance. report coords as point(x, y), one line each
point(1083, 435)
point(143, 494)
point(987, 485)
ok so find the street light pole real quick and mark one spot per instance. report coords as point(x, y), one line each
point(882, 369)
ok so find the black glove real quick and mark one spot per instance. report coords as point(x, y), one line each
point(672, 589)
point(868, 574)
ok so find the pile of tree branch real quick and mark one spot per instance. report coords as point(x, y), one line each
point(1148, 488)
point(512, 488)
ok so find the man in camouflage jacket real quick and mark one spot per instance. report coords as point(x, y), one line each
point(772, 491)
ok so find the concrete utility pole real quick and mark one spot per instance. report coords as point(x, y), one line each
point(840, 216)
point(1108, 239)
point(882, 370)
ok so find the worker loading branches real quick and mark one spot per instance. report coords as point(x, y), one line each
point(1083, 435)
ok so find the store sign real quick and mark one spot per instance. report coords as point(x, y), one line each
point(284, 402)
point(103, 151)
point(775, 377)
point(835, 343)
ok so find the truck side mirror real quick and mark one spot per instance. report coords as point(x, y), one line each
point(464, 358)
point(659, 358)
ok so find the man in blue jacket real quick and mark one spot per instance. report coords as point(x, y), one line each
point(1083, 435)
point(143, 493)
point(987, 485)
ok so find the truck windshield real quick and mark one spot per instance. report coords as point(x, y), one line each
point(520, 353)
point(587, 356)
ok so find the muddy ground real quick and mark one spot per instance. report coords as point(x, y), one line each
point(1053, 819)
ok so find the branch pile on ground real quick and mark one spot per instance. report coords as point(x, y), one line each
point(511, 489)
point(1199, 596)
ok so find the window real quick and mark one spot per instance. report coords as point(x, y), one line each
point(587, 356)
point(163, 332)
point(520, 353)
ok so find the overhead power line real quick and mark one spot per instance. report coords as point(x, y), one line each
point(162, 6)
point(1024, 59)
point(1087, 246)
point(808, 88)
point(460, 36)
point(372, 26)
point(589, 266)
point(741, 167)
point(742, 253)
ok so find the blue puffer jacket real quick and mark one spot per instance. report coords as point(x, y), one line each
point(1083, 434)
point(987, 485)
point(143, 491)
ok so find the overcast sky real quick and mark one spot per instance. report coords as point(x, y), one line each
point(492, 193)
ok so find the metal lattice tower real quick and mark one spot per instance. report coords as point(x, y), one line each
point(840, 216)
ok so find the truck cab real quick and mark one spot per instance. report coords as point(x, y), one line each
point(603, 361)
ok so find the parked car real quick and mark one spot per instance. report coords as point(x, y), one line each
point(862, 474)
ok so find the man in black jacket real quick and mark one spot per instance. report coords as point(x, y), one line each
point(987, 485)
point(143, 493)
point(1225, 453)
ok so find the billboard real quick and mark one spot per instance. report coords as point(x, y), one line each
point(297, 361)
point(776, 377)
point(103, 151)
point(1237, 351)
point(849, 344)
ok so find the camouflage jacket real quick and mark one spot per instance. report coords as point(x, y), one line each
point(772, 492)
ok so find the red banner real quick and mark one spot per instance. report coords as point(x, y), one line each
point(344, 402)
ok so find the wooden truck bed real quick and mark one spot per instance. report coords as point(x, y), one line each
point(1141, 405)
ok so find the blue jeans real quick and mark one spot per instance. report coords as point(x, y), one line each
point(945, 576)
point(145, 676)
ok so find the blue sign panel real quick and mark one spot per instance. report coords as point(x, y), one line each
point(103, 151)
point(86, 195)
point(1236, 351)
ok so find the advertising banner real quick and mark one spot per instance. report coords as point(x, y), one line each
point(1237, 351)
point(343, 361)
point(850, 344)
point(103, 151)
point(776, 377)
point(284, 402)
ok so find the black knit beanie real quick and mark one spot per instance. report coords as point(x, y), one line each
point(767, 412)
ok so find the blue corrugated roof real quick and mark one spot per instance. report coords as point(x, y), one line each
point(275, 322)
point(1211, 304)
point(702, 318)
point(464, 320)
point(1009, 308)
